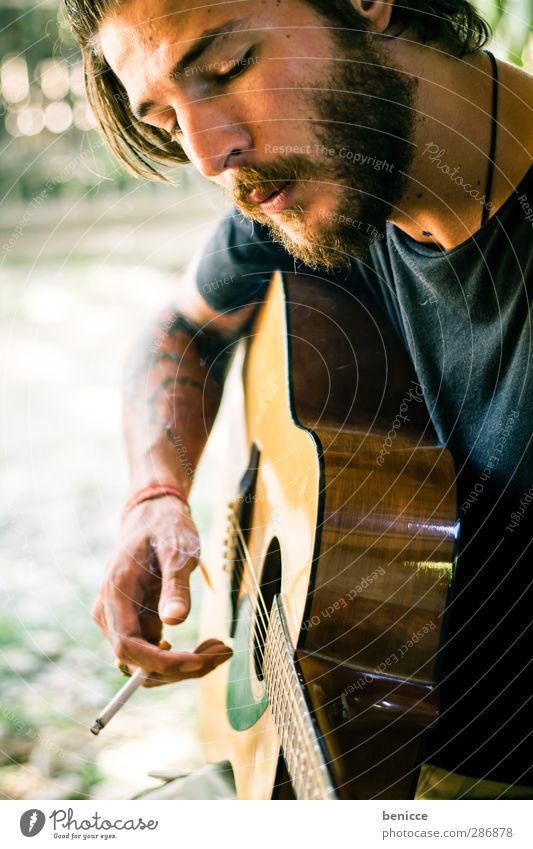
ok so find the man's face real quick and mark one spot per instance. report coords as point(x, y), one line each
point(308, 128)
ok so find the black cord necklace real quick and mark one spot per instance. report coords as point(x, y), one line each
point(493, 136)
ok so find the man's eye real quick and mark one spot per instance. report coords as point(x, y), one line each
point(238, 67)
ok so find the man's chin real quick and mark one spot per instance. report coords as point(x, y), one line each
point(320, 249)
point(316, 247)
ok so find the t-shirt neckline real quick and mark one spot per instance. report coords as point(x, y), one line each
point(424, 250)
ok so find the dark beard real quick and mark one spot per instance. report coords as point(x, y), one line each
point(365, 114)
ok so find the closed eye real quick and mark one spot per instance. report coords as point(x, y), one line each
point(238, 67)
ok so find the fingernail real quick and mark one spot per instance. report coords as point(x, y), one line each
point(191, 666)
point(173, 610)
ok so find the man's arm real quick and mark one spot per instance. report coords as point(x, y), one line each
point(173, 385)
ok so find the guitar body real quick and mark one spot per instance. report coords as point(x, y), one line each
point(332, 557)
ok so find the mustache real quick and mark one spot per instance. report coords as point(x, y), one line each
point(268, 178)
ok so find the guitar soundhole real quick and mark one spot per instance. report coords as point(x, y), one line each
point(270, 586)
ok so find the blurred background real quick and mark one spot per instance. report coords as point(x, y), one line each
point(86, 255)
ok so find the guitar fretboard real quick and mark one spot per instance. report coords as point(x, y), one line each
point(301, 748)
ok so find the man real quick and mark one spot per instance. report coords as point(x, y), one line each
point(376, 141)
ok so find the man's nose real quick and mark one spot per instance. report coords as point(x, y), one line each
point(213, 140)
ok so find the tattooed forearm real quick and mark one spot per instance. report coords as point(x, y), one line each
point(164, 397)
point(172, 390)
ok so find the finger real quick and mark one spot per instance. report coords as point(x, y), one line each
point(130, 588)
point(123, 668)
point(210, 662)
point(150, 623)
point(172, 664)
point(98, 615)
point(176, 567)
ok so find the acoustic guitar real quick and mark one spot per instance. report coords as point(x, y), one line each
point(333, 560)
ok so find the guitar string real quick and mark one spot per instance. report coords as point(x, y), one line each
point(291, 693)
point(247, 561)
point(291, 748)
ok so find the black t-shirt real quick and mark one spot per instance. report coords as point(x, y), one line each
point(465, 318)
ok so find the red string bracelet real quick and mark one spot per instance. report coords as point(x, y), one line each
point(155, 490)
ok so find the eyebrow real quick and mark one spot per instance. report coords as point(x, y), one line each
point(195, 51)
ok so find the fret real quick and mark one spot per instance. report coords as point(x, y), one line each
point(298, 737)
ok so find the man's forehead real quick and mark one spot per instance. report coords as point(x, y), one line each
point(139, 25)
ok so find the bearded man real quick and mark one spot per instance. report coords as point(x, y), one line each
point(378, 143)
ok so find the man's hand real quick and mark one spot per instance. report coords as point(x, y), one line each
point(146, 584)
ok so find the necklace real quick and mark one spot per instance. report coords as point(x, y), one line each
point(493, 135)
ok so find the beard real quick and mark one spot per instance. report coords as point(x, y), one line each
point(363, 130)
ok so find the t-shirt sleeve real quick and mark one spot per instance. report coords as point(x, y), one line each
point(237, 263)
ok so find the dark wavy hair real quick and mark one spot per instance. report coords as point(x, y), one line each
point(453, 25)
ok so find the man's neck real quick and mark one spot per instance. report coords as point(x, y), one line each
point(443, 202)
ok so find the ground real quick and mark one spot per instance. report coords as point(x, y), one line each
point(78, 284)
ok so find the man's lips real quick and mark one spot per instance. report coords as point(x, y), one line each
point(275, 201)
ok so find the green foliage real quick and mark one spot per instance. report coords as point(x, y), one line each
point(511, 22)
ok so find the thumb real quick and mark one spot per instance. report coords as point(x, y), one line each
point(175, 598)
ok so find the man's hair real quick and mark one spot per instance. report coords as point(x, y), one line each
point(452, 25)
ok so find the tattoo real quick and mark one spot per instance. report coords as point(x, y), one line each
point(180, 324)
point(213, 350)
point(164, 394)
point(170, 357)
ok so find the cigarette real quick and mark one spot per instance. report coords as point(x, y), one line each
point(119, 699)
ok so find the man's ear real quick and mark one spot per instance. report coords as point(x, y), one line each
point(376, 12)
